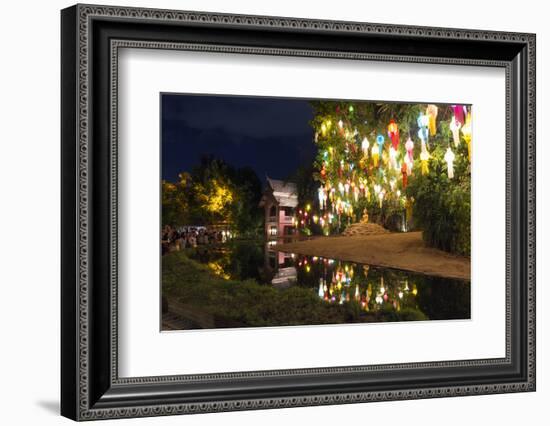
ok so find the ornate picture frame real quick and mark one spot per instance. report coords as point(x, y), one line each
point(91, 38)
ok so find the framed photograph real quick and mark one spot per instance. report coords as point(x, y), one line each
point(263, 212)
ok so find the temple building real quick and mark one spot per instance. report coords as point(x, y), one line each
point(279, 201)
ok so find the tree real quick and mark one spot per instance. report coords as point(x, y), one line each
point(365, 162)
point(214, 192)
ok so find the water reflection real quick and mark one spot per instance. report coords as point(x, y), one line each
point(339, 282)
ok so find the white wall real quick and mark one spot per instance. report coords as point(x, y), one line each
point(29, 210)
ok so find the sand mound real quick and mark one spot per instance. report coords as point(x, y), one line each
point(363, 228)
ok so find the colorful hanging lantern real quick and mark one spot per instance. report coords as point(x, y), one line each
point(450, 158)
point(467, 134)
point(381, 197)
point(455, 125)
point(431, 112)
point(322, 198)
point(365, 146)
point(409, 164)
point(424, 157)
point(380, 142)
point(375, 153)
point(458, 112)
point(409, 146)
point(393, 134)
point(423, 121)
point(356, 193)
point(393, 157)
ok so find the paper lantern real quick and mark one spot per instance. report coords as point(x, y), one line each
point(375, 153)
point(409, 164)
point(409, 146)
point(393, 157)
point(458, 112)
point(356, 193)
point(431, 112)
point(365, 146)
point(467, 134)
point(393, 134)
point(380, 142)
point(423, 121)
point(455, 125)
point(381, 197)
point(424, 157)
point(450, 158)
point(322, 198)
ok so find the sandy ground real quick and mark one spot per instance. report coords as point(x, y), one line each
point(404, 251)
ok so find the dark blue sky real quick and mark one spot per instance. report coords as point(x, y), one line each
point(271, 135)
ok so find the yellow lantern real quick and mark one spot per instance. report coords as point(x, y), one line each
point(467, 134)
point(431, 112)
point(375, 153)
point(424, 157)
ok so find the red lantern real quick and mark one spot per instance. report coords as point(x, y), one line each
point(393, 133)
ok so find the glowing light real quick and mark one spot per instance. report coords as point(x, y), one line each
point(393, 133)
point(375, 153)
point(467, 134)
point(449, 158)
point(431, 112)
point(409, 146)
point(458, 112)
point(455, 126)
point(380, 142)
point(393, 157)
point(423, 121)
point(424, 157)
point(365, 146)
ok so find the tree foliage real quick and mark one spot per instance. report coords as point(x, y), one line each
point(354, 179)
point(214, 192)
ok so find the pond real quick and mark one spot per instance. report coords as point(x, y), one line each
point(337, 281)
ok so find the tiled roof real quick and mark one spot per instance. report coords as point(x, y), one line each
point(287, 188)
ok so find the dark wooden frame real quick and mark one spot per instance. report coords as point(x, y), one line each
point(90, 386)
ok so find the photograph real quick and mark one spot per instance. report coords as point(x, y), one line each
point(301, 212)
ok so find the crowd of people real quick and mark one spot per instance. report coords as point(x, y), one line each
point(175, 239)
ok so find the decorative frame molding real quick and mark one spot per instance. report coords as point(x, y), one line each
point(91, 388)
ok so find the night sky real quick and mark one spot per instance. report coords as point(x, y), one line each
point(271, 135)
